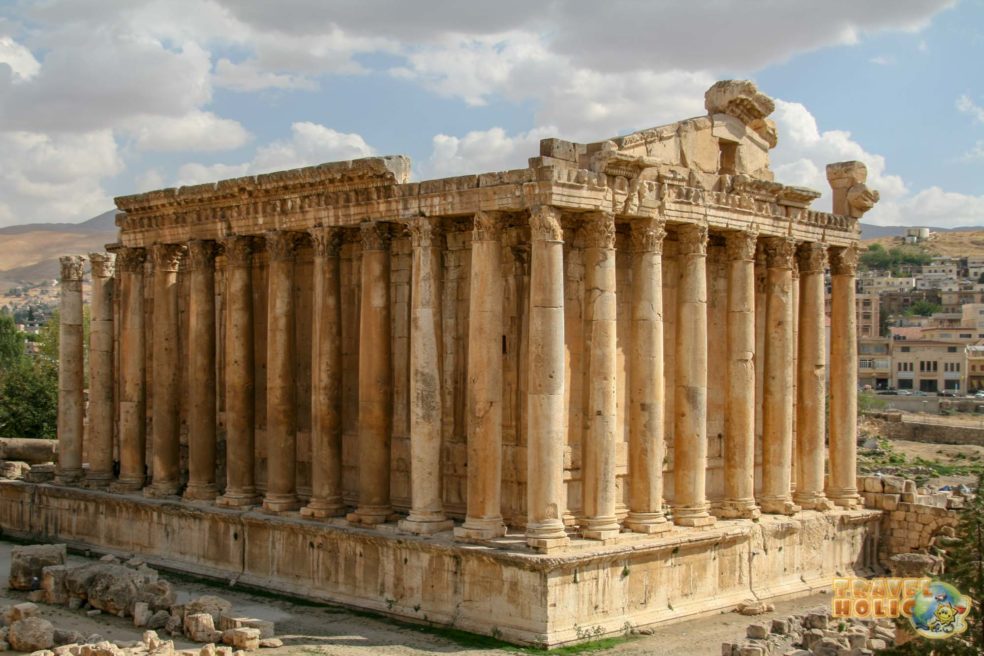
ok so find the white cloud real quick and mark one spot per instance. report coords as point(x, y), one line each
point(247, 76)
point(968, 106)
point(309, 144)
point(195, 132)
point(149, 180)
point(20, 60)
point(481, 151)
point(883, 60)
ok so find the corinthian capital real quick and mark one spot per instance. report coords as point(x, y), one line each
point(844, 261)
point(131, 260)
point(375, 236)
point(282, 245)
point(488, 226)
point(71, 267)
point(780, 252)
point(812, 257)
point(648, 235)
point(103, 264)
point(598, 231)
point(424, 232)
point(167, 257)
point(238, 250)
point(741, 245)
point(201, 254)
point(327, 240)
point(692, 238)
point(545, 224)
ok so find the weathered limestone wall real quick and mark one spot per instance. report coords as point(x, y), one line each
point(895, 427)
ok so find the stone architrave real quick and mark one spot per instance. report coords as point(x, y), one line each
point(811, 392)
point(427, 507)
point(326, 374)
point(546, 498)
point(842, 487)
point(600, 325)
point(281, 429)
point(166, 449)
point(647, 435)
point(375, 378)
point(240, 410)
point(483, 519)
point(70, 372)
point(133, 371)
point(777, 409)
point(739, 434)
point(102, 378)
point(201, 372)
point(690, 506)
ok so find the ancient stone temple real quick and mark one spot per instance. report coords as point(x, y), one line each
point(542, 404)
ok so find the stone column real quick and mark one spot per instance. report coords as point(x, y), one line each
point(842, 489)
point(690, 393)
point(201, 372)
point(102, 377)
point(70, 372)
point(598, 441)
point(375, 379)
point(739, 432)
point(546, 496)
point(326, 374)
point(240, 490)
point(427, 507)
point(811, 388)
point(133, 372)
point(483, 517)
point(166, 373)
point(777, 409)
point(647, 439)
point(281, 425)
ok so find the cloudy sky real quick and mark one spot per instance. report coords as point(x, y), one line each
point(106, 97)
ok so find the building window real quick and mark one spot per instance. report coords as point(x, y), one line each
point(951, 349)
point(905, 349)
point(966, 336)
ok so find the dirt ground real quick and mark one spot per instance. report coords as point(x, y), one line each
point(317, 629)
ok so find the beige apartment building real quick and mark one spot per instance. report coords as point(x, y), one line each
point(875, 362)
point(868, 314)
point(929, 359)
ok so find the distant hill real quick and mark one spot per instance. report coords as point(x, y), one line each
point(871, 231)
point(959, 242)
point(29, 253)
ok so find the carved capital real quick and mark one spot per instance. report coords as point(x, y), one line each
point(740, 245)
point(327, 240)
point(780, 252)
point(648, 235)
point(598, 231)
point(238, 250)
point(812, 257)
point(281, 245)
point(167, 257)
point(692, 239)
point(71, 267)
point(488, 226)
point(424, 232)
point(545, 224)
point(201, 254)
point(375, 236)
point(103, 264)
point(131, 260)
point(844, 261)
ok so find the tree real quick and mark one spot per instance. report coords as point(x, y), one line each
point(11, 342)
point(29, 399)
point(922, 308)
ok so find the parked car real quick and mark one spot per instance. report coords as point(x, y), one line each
point(946, 393)
point(905, 392)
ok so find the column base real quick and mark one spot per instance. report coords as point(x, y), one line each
point(848, 499)
point(238, 499)
point(737, 509)
point(693, 516)
point(547, 537)
point(600, 528)
point(648, 523)
point(280, 503)
point(127, 485)
point(200, 492)
point(778, 506)
point(98, 480)
point(370, 515)
point(480, 529)
point(425, 526)
point(68, 477)
point(813, 502)
point(323, 508)
point(161, 490)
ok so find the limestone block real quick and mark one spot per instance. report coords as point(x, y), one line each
point(890, 501)
point(200, 627)
point(27, 563)
point(14, 469)
point(873, 484)
point(245, 639)
point(271, 643)
point(158, 595)
point(158, 620)
point(151, 639)
point(31, 634)
point(894, 484)
point(53, 584)
point(68, 637)
point(757, 631)
point(214, 606)
point(141, 613)
point(19, 612)
point(265, 627)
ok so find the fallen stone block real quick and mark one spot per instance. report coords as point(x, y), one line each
point(267, 628)
point(199, 627)
point(244, 639)
point(141, 613)
point(271, 643)
point(68, 637)
point(158, 620)
point(757, 631)
point(214, 606)
point(31, 634)
point(27, 564)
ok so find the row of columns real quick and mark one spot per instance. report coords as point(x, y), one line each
point(546, 502)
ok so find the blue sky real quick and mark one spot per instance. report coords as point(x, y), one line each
point(106, 97)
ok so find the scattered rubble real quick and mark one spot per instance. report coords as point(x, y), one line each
point(27, 563)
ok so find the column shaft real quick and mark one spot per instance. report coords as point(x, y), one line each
point(281, 428)
point(811, 389)
point(240, 410)
point(647, 439)
point(70, 372)
point(375, 379)
point(201, 372)
point(842, 489)
point(546, 498)
point(485, 297)
point(739, 435)
point(166, 373)
point(690, 393)
point(326, 383)
point(598, 442)
point(777, 418)
point(102, 378)
point(133, 372)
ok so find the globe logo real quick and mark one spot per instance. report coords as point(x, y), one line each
point(939, 611)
